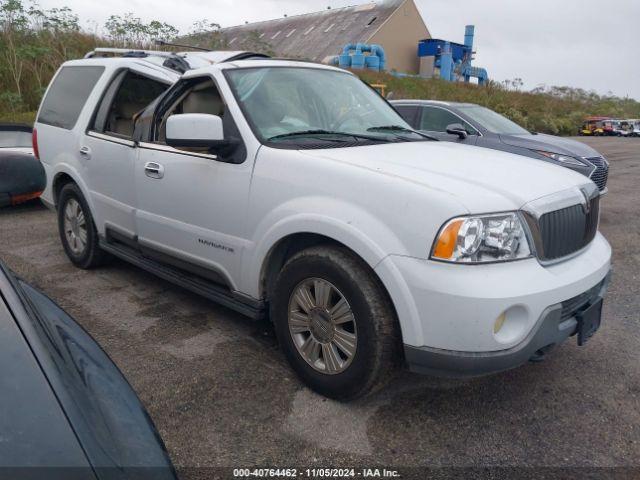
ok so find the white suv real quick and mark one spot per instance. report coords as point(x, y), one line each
point(294, 190)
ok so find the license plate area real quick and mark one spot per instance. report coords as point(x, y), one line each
point(589, 321)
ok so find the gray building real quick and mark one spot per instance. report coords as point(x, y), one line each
point(395, 24)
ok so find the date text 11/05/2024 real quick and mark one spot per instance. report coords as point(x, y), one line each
point(316, 473)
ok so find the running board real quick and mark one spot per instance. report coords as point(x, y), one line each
point(251, 308)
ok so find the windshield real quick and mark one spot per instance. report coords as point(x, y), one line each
point(493, 122)
point(297, 104)
point(14, 138)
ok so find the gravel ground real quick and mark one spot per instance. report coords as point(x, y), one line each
point(222, 395)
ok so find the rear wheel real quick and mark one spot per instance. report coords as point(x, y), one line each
point(77, 229)
point(335, 323)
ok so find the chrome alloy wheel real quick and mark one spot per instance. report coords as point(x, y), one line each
point(75, 227)
point(322, 326)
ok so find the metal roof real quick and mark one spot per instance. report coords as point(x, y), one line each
point(316, 36)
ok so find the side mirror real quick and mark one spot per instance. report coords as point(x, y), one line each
point(195, 130)
point(457, 129)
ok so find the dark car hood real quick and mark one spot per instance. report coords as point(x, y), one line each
point(113, 428)
point(550, 143)
point(34, 432)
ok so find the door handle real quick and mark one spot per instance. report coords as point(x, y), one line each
point(154, 170)
point(85, 152)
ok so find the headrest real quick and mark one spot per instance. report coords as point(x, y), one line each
point(205, 101)
point(128, 110)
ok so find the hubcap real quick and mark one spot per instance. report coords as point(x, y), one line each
point(75, 227)
point(322, 326)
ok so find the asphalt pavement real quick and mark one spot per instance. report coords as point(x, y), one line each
point(222, 395)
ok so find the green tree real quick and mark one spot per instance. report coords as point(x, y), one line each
point(131, 32)
point(14, 23)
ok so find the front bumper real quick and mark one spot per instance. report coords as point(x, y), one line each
point(556, 324)
point(453, 310)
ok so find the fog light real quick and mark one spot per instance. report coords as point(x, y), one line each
point(499, 322)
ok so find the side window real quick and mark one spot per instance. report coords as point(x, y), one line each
point(409, 113)
point(202, 97)
point(436, 119)
point(128, 94)
point(67, 96)
point(199, 95)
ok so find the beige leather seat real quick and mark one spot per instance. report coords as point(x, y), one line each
point(202, 99)
point(121, 121)
point(206, 100)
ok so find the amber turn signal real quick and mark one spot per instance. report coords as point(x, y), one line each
point(446, 242)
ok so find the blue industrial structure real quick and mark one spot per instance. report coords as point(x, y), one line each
point(359, 56)
point(450, 61)
point(453, 60)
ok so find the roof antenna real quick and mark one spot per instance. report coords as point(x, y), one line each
point(162, 43)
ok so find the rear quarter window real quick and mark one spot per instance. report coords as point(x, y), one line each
point(67, 95)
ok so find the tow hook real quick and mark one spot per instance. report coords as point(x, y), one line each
point(540, 355)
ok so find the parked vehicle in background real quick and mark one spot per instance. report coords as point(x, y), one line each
point(67, 410)
point(621, 128)
point(596, 126)
point(634, 128)
point(608, 127)
point(15, 137)
point(22, 177)
point(292, 190)
point(590, 131)
point(475, 125)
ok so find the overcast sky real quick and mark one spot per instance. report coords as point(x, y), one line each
point(592, 44)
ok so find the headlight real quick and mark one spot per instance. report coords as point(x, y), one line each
point(482, 239)
point(564, 159)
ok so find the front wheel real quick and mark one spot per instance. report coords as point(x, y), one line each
point(335, 323)
point(77, 229)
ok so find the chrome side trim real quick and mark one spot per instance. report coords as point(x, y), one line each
point(166, 148)
point(112, 139)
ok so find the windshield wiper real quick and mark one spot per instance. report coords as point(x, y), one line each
point(399, 128)
point(304, 133)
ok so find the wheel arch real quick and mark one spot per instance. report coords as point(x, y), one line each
point(65, 174)
point(294, 243)
point(59, 181)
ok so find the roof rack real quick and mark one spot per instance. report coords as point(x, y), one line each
point(128, 52)
point(179, 62)
point(172, 60)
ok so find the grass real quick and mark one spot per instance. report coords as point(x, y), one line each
point(20, 117)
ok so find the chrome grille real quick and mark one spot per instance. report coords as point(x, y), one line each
point(600, 176)
point(563, 232)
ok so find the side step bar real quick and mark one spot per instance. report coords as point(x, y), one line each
point(245, 306)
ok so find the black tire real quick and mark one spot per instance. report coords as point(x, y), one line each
point(377, 352)
point(91, 255)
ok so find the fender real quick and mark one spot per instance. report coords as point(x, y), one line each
point(343, 222)
point(404, 303)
